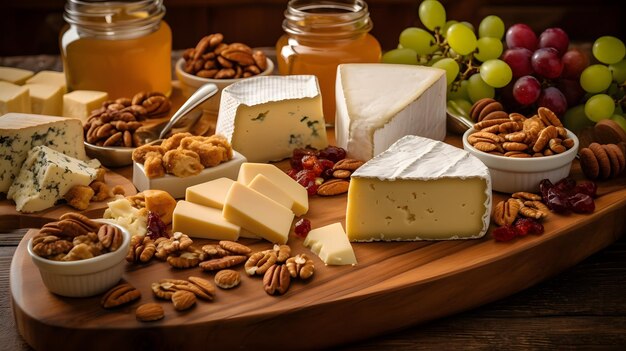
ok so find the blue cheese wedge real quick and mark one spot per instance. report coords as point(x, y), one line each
point(19, 133)
point(419, 189)
point(46, 176)
point(266, 118)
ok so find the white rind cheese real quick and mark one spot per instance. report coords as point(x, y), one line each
point(377, 104)
point(419, 189)
point(266, 118)
point(19, 133)
point(331, 244)
point(46, 176)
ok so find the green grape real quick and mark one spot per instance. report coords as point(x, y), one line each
point(488, 49)
point(461, 39)
point(432, 14)
point(464, 106)
point(477, 89)
point(458, 91)
point(450, 66)
point(496, 73)
point(595, 78)
point(620, 120)
point(608, 49)
point(599, 107)
point(419, 40)
point(404, 56)
point(444, 30)
point(618, 71)
point(468, 25)
point(433, 60)
point(575, 119)
point(491, 27)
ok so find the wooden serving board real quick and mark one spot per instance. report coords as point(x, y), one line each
point(11, 219)
point(393, 286)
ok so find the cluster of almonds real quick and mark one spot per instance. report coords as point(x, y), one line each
point(603, 161)
point(76, 237)
point(115, 123)
point(523, 204)
point(79, 196)
point(517, 136)
point(212, 58)
point(183, 155)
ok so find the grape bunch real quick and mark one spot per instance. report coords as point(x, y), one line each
point(472, 65)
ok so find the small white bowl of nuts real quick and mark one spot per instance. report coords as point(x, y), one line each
point(79, 257)
point(214, 61)
point(519, 157)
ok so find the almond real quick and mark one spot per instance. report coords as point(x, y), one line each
point(227, 279)
point(149, 312)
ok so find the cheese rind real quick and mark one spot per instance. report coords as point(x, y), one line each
point(331, 244)
point(419, 189)
point(45, 177)
point(297, 192)
point(80, 103)
point(199, 221)
point(211, 194)
point(377, 104)
point(15, 75)
point(257, 213)
point(45, 99)
point(266, 118)
point(19, 133)
point(49, 78)
point(13, 98)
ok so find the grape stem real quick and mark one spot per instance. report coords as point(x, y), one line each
point(444, 51)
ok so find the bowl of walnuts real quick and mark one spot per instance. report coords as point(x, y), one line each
point(214, 61)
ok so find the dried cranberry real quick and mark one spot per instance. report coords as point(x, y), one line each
point(311, 187)
point(581, 203)
point(303, 227)
point(589, 188)
point(544, 186)
point(557, 201)
point(295, 163)
point(326, 164)
point(527, 226)
point(506, 233)
point(156, 227)
point(292, 173)
point(333, 153)
point(566, 185)
point(305, 176)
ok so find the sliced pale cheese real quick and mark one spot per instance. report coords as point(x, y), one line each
point(45, 99)
point(19, 133)
point(419, 189)
point(331, 244)
point(15, 75)
point(270, 189)
point(13, 98)
point(257, 213)
point(45, 177)
point(297, 192)
point(199, 221)
point(377, 104)
point(177, 186)
point(129, 217)
point(212, 193)
point(80, 103)
point(49, 78)
point(266, 118)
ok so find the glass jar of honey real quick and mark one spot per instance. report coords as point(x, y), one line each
point(320, 35)
point(121, 47)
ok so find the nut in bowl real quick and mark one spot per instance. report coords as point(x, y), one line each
point(82, 277)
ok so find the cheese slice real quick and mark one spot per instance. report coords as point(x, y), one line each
point(419, 189)
point(13, 98)
point(123, 213)
point(297, 192)
point(49, 78)
point(266, 118)
point(46, 176)
point(331, 244)
point(270, 189)
point(377, 104)
point(212, 193)
point(45, 99)
point(257, 213)
point(199, 221)
point(15, 75)
point(80, 103)
point(21, 132)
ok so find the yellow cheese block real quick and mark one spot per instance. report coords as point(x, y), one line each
point(331, 244)
point(45, 99)
point(268, 188)
point(80, 103)
point(297, 192)
point(212, 193)
point(49, 78)
point(199, 221)
point(13, 98)
point(257, 213)
point(15, 75)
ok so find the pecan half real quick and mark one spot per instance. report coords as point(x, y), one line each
point(120, 295)
point(333, 187)
point(50, 245)
point(282, 252)
point(234, 247)
point(110, 237)
point(348, 164)
point(300, 266)
point(222, 262)
point(505, 212)
point(260, 262)
point(276, 280)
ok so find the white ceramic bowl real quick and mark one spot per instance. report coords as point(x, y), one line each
point(509, 174)
point(83, 278)
point(190, 83)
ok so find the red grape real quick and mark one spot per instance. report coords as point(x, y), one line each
point(574, 62)
point(546, 63)
point(572, 90)
point(521, 36)
point(554, 38)
point(553, 99)
point(519, 61)
point(526, 90)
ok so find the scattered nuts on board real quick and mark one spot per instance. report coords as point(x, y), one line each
point(141, 250)
point(259, 262)
point(300, 266)
point(222, 262)
point(120, 295)
point(276, 280)
point(235, 247)
point(183, 300)
point(149, 312)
